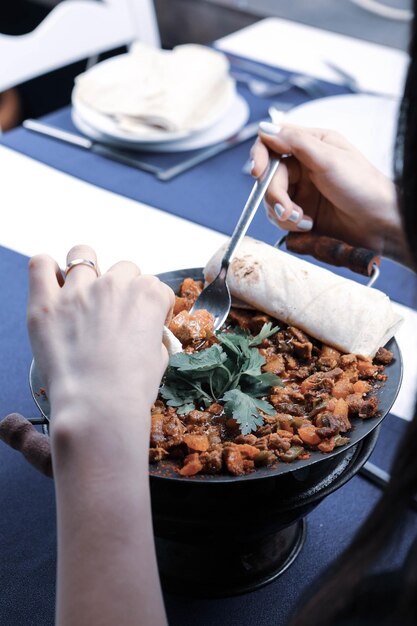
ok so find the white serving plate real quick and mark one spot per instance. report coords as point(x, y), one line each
point(233, 119)
point(368, 122)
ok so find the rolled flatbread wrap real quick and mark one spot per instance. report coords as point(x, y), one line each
point(338, 311)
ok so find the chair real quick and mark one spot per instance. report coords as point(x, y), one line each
point(75, 30)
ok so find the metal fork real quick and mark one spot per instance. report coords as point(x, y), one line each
point(263, 89)
point(215, 298)
point(352, 83)
point(348, 80)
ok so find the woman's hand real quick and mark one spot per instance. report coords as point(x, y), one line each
point(97, 337)
point(329, 186)
point(97, 343)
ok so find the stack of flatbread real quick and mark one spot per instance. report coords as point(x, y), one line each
point(184, 89)
point(338, 311)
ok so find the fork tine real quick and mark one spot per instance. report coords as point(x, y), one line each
point(307, 84)
point(311, 86)
point(348, 80)
point(270, 90)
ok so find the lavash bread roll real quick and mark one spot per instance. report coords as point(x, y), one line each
point(338, 311)
point(170, 90)
point(171, 343)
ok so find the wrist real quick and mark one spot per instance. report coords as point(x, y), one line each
point(83, 398)
point(98, 437)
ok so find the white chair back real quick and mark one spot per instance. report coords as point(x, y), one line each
point(74, 30)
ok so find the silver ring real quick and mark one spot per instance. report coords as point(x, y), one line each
point(86, 262)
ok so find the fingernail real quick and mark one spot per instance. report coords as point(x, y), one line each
point(294, 216)
point(252, 165)
point(269, 129)
point(279, 210)
point(305, 224)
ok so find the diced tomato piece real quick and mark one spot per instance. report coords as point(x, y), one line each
point(361, 386)
point(247, 451)
point(341, 409)
point(283, 432)
point(309, 435)
point(192, 465)
point(366, 369)
point(191, 288)
point(182, 304)
point(342, 388)
point(197, 442)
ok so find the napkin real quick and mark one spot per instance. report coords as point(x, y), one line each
point(338, 311)
point(184, 89)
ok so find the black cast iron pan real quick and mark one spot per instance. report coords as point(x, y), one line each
point(166, 470)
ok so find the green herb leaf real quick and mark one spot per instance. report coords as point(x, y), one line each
point(237, 343)
point(258, 386)
point(243, 409)
point(264, 406)
point(219, 380)
point(253, 363)
point(230, 371)
point(198, 361)
point(186, 408)
point(266, 331)
point(176, 394)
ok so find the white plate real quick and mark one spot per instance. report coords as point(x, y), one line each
point(232, 121)
point(105, 124)
point(108, 126)
point(368, 122)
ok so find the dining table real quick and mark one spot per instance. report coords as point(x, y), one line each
point(54, 195)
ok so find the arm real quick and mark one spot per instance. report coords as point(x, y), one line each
point(329, 186)
point(97, 343)
point(107, 570)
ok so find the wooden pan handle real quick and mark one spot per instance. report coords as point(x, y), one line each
point(20, 434)
point(333, 252)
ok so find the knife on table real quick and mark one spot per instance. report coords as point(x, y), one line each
point(88, 144)
point(247, 132)
point(252, 67)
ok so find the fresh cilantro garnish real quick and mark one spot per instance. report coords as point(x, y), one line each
point(229, 372)
point(244, 409)
point(203, 361)
point(266, 331)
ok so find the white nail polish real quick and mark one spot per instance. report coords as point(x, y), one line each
point(279, 210)
point(269, 129)
point(305, 224)
point(294, 217)
point(252, 165)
